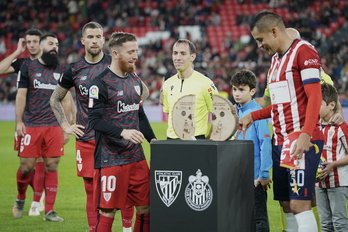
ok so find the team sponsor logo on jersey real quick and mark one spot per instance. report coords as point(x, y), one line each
point(198, 193)
point(312, 62)
point(122, 107)
point(39, 85)
point(83, 78)
point(94, 92)
point(168, 185)
point(327, 147)
point(56, 76)
point(38, 74)
point(137, 89)
point(107, 196)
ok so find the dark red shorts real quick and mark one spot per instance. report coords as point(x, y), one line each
point(117, 187)
point(42, 142)
point(85, 158)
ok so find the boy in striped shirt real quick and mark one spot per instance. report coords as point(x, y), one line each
point(332, 188)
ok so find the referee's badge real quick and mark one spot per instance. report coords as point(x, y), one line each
point(94, 92)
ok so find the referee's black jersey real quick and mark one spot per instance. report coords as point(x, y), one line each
point(80, 75)
point(115, 104)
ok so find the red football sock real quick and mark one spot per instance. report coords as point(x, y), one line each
point(127, 216)
point(142, 223)
point(22, 183)
point(51, 185)
point(90, 209)
point(31, 183)
point(104, 224)
point(39, 178)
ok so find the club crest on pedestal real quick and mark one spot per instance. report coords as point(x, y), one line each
point(168, 185)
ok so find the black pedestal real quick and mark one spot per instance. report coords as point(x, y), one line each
point(202, 186)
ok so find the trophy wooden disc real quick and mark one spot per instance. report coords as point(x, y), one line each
point(183, 117)
point(224, 119)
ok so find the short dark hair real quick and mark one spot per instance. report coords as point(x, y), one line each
point(33, 31)
point(266, 19)
point(190, 44)
point(44, 37)
point(91, 25)
point(329, 94)
point(244, 77)
point(117, 39)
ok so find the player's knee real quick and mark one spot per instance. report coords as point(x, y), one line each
point(299, 206)
point(51, 164)
point(108, 212)
point(26, 168)
point(143, 209)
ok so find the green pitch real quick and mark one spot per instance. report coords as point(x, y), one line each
point(70, 203)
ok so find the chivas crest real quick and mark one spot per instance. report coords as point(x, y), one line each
point(198, 193)
point(168, 184)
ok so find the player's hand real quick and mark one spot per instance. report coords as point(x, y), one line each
point(21, 45)
point(133, 136)
point(336, 119)
point(326, 171)
point(301, 146)
point(20, 129)
point(75, 130)
point(243, 124)
point(66, 138)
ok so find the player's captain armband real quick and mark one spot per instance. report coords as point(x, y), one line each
point(288, 145)
point(279, 92)
point(94, 92)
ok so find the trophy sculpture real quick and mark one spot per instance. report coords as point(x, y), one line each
point(183, 117)
point(224, 118)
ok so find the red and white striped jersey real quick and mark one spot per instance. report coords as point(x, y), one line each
point(335, 144)
point(287, 76)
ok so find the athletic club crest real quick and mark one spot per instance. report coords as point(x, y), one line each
point(198, 193)
point(168, 185)
point(107, 196)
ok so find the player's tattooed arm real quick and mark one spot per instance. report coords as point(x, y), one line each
point(56, 104)
point(62, 106)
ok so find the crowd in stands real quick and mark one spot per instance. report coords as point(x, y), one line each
point(66, 17)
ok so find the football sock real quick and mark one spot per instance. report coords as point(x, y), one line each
point(31, 183)
point(291, 223)
point(127, 217)
point(90, 209)
point(51, 185)
point(142, 223)
point(129, 229)
point(23, 181)
point(39, 178)
point(104, 224)
point(306, 221)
